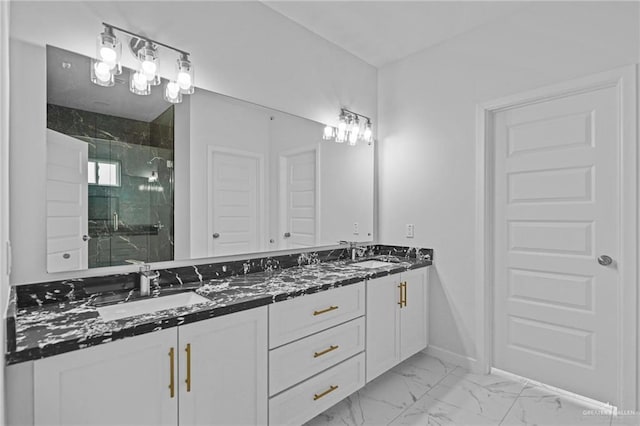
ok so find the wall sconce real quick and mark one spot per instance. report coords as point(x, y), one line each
point(107, 65)
point(349, 129)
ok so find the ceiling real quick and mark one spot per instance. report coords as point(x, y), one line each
point(71, 87)
point(381, 32)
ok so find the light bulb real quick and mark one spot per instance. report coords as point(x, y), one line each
point(328, 133)
point(149, 69)
point(172, 93)
point(184, 80)
point(140, 81)
point(108, 54)
point(103, 71)
point(101, 74)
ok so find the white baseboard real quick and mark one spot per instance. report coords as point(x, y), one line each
point(452, 358)
point(578, 399)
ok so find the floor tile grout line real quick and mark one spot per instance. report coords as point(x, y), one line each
point(421, 396)
point(524, 386)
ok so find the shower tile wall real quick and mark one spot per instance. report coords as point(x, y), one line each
point(144, 209)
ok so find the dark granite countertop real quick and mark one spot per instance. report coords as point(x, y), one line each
point(68, 319)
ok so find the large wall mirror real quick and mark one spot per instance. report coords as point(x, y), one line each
point(136, 179)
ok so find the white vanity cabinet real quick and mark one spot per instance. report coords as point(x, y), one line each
point(208, 372)
point(122, 382)
point(223, 370)
point(396, 319)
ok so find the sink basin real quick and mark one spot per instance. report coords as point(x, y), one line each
point(372, 264)
point(139, 307)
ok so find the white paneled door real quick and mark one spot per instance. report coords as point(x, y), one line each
point(235, 200)
point(67, 210)
point(557, 227)
point(298, 182)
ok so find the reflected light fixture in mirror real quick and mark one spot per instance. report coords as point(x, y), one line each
point(107, 64)
point(349, 129)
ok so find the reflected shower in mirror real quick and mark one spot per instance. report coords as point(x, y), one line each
point(109, 170)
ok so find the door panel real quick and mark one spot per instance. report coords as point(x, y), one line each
point(234, 203)
point(556, 210)
point(298, 199)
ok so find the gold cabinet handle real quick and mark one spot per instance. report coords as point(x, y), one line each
point(188, 379)
point(317, 396)
point(172, 385)
point(326, 351)
point(324, 311)
point(404, 297)
point(400, 286)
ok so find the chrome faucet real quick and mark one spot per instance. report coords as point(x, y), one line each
point(352, 247)
point(146, 276)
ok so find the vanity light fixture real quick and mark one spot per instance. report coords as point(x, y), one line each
point(349, 129)
point(107, 64)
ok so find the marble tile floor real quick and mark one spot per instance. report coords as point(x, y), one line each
point(424, 390)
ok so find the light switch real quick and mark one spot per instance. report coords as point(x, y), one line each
point(410, 230)
point(356, 228)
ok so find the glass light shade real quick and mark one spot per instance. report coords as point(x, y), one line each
point(185, 76)
point(172, 93)
point(353, 137)
point(101, 74)
point(367, 134)
point(109, 50)
point(328, 133)
point(148, 57)
point(138, 83)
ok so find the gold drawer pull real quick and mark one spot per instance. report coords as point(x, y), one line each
point(172, 385)
point(324, 311)
point(326, 351)
point(328, 391)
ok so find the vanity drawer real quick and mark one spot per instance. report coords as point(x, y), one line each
point(305, 401)
point(302, 316)
point(297, 361)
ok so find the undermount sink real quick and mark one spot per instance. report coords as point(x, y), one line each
point(372, 264)
point(145, 306)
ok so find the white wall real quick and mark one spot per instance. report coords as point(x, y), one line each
point(427, 129)
point(4, 186)
point(241, 49)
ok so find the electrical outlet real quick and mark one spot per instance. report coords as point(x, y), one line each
point(410, 230)
point(356, 228)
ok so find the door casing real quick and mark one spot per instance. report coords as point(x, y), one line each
point(625, 80)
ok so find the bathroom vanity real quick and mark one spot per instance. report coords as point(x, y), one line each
point(265, 341)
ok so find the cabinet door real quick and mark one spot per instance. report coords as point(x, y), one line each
point(122, 382)
point(413, 316)
point(383, 325)
point(226, 368)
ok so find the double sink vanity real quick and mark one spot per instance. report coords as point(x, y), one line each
point(272, 340)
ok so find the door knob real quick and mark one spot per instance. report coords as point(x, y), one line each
point(216, 235)
point(86, 238)
point(287, 234)
point(605, 260)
